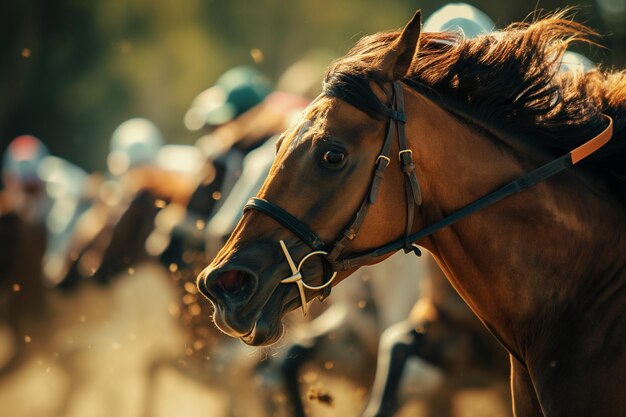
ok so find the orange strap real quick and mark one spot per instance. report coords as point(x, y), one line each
point(594, 144)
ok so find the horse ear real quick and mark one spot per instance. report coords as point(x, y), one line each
point(399, 55)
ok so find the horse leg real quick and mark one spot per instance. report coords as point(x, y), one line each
point(525, 402)
point(398, 343)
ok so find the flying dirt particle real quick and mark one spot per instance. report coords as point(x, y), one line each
point(26, 53)
point(82, 318)
point(173, 267)
point(361, 392)
point(216, 195)
point(188, 256)
point(131, 270)
point(309, 377)
point(174, 310)
point(361, 304)
point(552, 364)
point(126, 47)
point(329, 365)
point(200, 224)
point(158, 203)
point(199, 344)
point(191, 288)
point(188, 351)
point(189, 299)
point(279, 398)
point(17, 288)
point(195, 309)
point(321, 396)
point(27, 339)
point(48, 369)
point(257, 55)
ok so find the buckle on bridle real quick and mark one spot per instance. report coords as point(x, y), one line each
point(383, 157)
point(409, 151)
point(296, 276)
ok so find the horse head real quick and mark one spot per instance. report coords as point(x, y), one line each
point(320, 178)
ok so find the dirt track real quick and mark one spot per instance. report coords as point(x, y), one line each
point(94, 364)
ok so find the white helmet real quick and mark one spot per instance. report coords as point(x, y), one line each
point(459, 16)
point(134, 142)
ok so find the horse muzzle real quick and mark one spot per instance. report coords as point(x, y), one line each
point(230, 289)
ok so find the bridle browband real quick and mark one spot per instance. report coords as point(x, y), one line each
point(332, 260)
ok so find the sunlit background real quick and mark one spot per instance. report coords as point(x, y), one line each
point(71, 71)
point(99, 311)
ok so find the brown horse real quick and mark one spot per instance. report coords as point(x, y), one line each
point(543, 269)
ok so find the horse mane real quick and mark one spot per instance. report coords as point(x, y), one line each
point(510, 80)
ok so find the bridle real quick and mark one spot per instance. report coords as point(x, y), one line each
point(331, 253)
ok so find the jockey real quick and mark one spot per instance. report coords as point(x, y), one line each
point(24, 187)
point(235, 92)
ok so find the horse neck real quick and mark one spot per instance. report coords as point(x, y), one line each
point(523, 260)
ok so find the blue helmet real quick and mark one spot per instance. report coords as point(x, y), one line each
point(235, 92)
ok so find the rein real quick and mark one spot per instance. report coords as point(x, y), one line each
point(331, 254)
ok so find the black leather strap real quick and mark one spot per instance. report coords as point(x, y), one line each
point(540, 174)
point(396, 123)
point(290, 222)
point(296, 227)
point(396, 116)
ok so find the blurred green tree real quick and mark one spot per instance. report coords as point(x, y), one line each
point(71, 71)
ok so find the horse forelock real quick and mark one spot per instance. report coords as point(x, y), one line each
point(509, 80)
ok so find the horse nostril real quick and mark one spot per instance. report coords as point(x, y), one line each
point(231, 281)
point(233, 284)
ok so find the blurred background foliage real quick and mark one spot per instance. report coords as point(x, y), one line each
point(72, 70)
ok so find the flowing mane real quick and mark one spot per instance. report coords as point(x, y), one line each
point(509, 80)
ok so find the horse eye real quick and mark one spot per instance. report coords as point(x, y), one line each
point(333, 157)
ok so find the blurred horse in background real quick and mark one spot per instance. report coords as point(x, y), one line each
point(210, 357)
point(41, 196)
point(23, 302)
point(443, 332)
